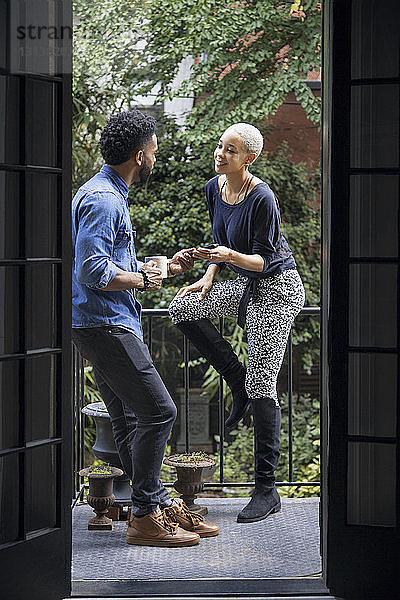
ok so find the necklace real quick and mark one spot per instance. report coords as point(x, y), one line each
point(237, 195)
point(224, 191)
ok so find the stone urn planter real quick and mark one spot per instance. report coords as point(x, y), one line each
point(192, 470)
point(101, 495)
point(104, 449)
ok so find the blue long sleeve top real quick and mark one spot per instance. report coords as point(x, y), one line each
point(250, 227)
point(103, 239)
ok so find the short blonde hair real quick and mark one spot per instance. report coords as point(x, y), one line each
point(251, 137)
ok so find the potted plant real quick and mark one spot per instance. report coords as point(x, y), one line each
point(191, 469)
point(104, 449)
point(100, 496)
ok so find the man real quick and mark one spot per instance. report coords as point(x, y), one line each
point(107, 329)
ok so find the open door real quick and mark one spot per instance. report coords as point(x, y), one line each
point(35, 266)
point(360, 296)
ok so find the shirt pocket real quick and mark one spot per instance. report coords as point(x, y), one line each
point(122, 244)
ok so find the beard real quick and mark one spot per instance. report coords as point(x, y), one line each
point(144, 173)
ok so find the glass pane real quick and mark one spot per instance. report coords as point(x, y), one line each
point(9, 498)
point(41, 313)
point(41, 488)
point(375, 39)
point(372, 394)
point(9, 404)
point(41, 377)
point(9, 215)
point(374, 135)
point(42, 123)
point(9, 120)
point(374, 205)
point(39, 39)
point(3, 34)
point(9, 310)
point(373, 305)
point(371, 484)
point(41, 216)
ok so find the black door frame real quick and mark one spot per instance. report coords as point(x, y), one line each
point(349, 551)
point(40, 561)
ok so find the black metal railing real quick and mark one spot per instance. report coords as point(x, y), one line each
point(78, 442)
point(150, 315)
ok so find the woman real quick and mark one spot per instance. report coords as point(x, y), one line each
point(266, 296)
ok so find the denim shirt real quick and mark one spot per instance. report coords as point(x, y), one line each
point(103, 239)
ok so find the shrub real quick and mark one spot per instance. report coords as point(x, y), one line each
point(239, 450)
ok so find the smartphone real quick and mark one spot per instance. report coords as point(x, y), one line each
point(208, 246)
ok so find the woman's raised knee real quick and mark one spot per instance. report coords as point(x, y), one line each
point(177, 309)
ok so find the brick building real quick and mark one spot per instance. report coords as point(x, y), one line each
point(290, 124)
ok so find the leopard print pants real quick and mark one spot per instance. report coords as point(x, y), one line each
point(269, 317)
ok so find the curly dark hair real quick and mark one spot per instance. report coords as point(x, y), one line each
point(125, 133)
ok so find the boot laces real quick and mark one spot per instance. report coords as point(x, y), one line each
point(166, 521)
point(182, 509)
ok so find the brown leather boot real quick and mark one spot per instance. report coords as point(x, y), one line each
point(189, 520)
point(157, 529)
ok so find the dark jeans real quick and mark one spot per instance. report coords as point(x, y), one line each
point(141, 410)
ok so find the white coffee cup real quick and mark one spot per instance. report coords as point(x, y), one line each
point(161, 262)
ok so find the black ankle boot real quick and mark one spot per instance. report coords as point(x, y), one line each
point(219, 353)
point(267, 423)
point(262, 504)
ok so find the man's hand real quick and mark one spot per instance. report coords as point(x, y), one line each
point(128, 280)
point(181, 262)
point(154, 275)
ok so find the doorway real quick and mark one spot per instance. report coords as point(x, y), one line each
point(360, 313)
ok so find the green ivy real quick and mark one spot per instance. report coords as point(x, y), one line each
point(246, 58)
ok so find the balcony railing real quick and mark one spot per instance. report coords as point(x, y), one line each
point(150, 315)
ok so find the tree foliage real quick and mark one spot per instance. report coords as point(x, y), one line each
point(105, 48)
point(247, 56)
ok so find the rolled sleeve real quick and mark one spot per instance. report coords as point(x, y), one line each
point(109, 273)
point(99, 218)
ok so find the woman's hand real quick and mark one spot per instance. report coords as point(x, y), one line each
point(181, 262)
point(218, 254)
point(250, 262)
point(203, 285)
